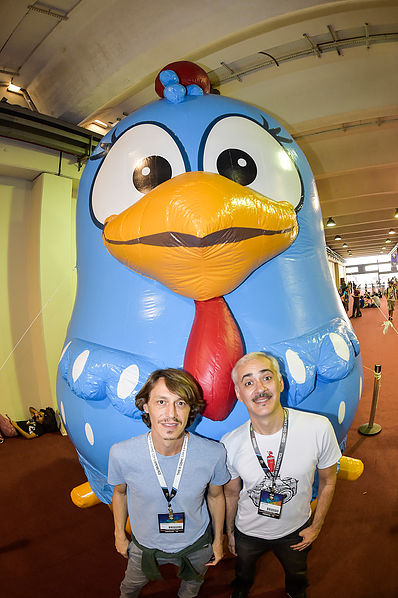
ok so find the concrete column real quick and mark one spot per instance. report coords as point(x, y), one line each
point(52, 276)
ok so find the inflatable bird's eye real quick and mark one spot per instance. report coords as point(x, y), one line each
point(142, 158)
point(245, 152)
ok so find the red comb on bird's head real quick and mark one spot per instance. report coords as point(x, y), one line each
point(188, 73)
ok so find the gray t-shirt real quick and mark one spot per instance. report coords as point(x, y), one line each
point(130, 463)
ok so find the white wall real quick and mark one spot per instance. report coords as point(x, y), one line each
point(37, 277)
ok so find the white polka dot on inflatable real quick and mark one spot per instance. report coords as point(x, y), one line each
point(63, 413)
point(128, 381)
point(79, 364)
point(341, 414)
point(63, 352)
point(296, 366)
point(340, 346)
point(89, 433)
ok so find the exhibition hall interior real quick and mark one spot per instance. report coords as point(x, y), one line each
point(182, 183)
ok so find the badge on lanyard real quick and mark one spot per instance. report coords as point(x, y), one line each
point(171, 525)
point(169, 522)
point(271, 502)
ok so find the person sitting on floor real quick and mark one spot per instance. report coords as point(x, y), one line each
point(41, 421)
point(376, 300)
point(367, 299)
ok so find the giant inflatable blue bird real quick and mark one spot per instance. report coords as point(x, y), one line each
point(199, 238)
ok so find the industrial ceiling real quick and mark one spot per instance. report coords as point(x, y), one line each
point(327, 70)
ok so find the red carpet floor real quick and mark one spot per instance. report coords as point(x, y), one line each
point(50, 548)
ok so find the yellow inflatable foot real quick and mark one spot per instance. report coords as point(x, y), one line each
point(350, 469)
point(83, 497)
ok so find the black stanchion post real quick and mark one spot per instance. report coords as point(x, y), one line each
point(371, 428)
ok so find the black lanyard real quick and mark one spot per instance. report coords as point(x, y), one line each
point(271, 475)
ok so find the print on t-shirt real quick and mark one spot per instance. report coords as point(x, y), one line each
point(271, 461)
point(285, 486)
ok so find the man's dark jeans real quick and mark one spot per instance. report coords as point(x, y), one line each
point(294, 562)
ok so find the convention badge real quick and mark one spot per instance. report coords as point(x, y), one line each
point(270, 504)
point(171, 525)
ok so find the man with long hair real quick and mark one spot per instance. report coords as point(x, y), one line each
point(170, 484)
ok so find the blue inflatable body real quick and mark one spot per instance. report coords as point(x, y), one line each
point(129, 319)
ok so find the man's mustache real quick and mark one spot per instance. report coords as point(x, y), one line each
point(262, 395)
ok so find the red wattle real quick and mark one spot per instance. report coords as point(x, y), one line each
point(213, 348)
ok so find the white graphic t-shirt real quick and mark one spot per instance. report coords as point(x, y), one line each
point(311, 443)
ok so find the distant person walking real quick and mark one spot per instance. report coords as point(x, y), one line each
point(391, 296)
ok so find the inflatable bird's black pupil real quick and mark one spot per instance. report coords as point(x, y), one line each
point(237, 165)
point(151, 172)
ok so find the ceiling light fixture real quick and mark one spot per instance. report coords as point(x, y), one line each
point(337, 238)
point(396, 213)
point(345, 245)
point(331, 222)
point(391, 232)
point(21, 91)
point(388, 240)
point(101, 124)
point(13, 88)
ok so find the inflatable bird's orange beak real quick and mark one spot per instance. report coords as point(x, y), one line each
point(200, 234)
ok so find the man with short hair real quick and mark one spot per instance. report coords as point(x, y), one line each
point(272, 459)
point(168, 481)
